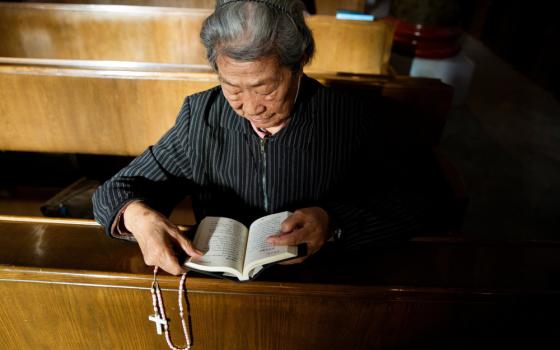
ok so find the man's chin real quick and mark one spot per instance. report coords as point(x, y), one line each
point(263, 123)
point(266, 123)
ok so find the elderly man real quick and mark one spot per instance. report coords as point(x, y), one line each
point(268, 139)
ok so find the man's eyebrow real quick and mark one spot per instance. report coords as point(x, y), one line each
point(221, 79)
point(255, 84)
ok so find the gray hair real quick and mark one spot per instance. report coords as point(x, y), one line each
point(249, 30)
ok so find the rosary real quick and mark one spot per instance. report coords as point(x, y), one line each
point(159, 317)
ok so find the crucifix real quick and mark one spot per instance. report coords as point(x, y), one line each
point(159, 312)
point(159, 321)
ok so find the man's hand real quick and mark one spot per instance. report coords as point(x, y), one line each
point(156, 236)
point(308, 225)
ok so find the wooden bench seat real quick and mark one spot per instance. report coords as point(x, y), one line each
point(23, 203)
point(81, 110)
point(322, 7)
point(66, 286)
point(200, 4)
point(122, 111)
point(169, 35)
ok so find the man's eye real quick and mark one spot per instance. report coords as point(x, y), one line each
point(233, 93)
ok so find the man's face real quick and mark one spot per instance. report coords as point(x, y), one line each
point(261, 91)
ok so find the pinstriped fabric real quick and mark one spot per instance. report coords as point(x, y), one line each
point(333, 154)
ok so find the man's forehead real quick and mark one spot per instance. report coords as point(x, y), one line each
point(265, 61)
point(246, 81)
point(248, 73)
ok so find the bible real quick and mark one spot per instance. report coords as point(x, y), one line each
point(232, 250)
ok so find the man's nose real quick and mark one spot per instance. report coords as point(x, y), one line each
point(252, 106)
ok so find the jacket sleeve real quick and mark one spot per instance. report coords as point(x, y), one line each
point(160, 176)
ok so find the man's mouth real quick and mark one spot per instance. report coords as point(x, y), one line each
point(261, 119)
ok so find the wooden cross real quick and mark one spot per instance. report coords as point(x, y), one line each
point(159, 321)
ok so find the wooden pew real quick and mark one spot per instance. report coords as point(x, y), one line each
point(169, 35)
point(73, 110)
point(53, 104)
point(120, 111)
point(98, 286)
point(322, 7)
point(329, 7)
point(66, 286)
point(196, 4)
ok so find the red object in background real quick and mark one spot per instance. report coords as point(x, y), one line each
point(425, 41)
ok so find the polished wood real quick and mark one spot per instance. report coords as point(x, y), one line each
point(329, 7)
point(122, 111)
point(47, 220)
point(414, 108)
point(202, 4)
point(24, 203)
point(169, 35)
point(89, 111)
point(351, 46)
point(68, 286)
point(102, 32)
point(323, 7)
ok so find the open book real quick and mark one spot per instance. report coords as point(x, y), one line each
point(232, 250)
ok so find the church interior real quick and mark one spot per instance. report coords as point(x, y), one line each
point(87, 85)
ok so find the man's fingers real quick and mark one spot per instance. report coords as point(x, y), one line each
point(290, 224)
point(185, 243)
point(292, 238)
point(294, 261)
point(169, 263)
point(157, 238)
point(165, 259)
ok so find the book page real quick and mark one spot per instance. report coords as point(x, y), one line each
point(223, 241)
point(259, 251)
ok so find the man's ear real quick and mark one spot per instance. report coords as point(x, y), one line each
point(303, 61)
point(297, 73)
point(298, 69)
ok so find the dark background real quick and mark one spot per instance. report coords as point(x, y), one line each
point(524, 33)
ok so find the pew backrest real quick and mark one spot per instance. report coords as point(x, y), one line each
point(79, 110)
point(69, 108)
point(169, 35)
point(322, 7)
point(202, 4)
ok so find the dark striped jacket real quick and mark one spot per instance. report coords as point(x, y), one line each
point(334, 153)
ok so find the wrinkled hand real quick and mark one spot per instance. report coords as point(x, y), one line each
point(307, 225)
point(156, 236)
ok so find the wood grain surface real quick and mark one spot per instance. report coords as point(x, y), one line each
point(68, 286)
point(169, 35)
point(73, 111)
point(64, 108)
point(323, 7)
